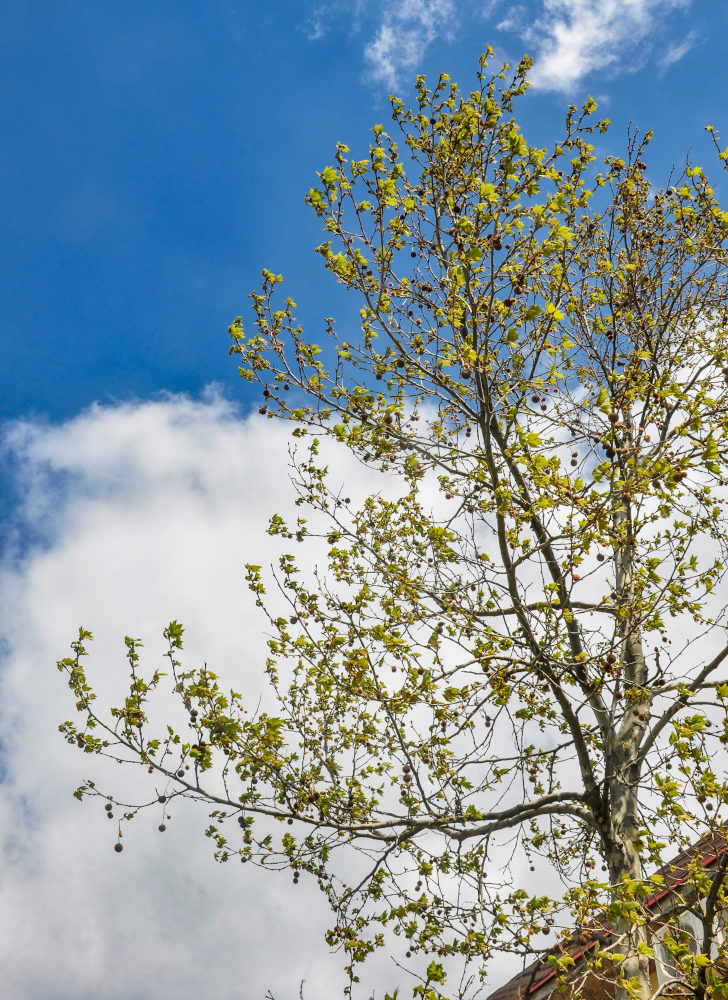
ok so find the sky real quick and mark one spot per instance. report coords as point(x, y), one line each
point(155, 158)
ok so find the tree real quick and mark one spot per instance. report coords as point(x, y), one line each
point(521, 650)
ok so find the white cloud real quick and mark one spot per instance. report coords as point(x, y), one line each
point(407, 28)
point(568, 38)
point(140, 514)
point(515, 20)
point(572, 38)
point(677, 51)
point(402, 31)
point(319, 21)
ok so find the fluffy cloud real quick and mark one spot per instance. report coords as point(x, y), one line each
point(319, 20)
point(574, 37)
point(406, 30)
point(398, 31)
point(130, 516)
point(679, 49)
point(568, 38)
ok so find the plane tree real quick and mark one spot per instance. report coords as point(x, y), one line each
point(513, 654)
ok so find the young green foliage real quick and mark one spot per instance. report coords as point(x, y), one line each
point(532, 663)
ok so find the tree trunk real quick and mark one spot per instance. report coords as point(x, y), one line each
point(623, 771)
point(623, 862)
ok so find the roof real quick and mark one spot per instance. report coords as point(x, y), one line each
point(670, 876)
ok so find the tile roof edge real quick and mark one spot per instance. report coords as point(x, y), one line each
point(502, 993)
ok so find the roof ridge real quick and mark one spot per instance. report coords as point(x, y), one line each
point(673, 874)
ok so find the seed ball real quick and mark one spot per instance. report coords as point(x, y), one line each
point(180, 773)
point(574, 462)
point(108, 807)
point(611, 658)
point(109, 815)
point(161, 798)
point(118, 848)
point(600, 557)
point(161, 827)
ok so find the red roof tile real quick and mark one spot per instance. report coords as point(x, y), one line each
point(673, 874)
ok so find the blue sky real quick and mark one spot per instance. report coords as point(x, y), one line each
point(154, 158)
